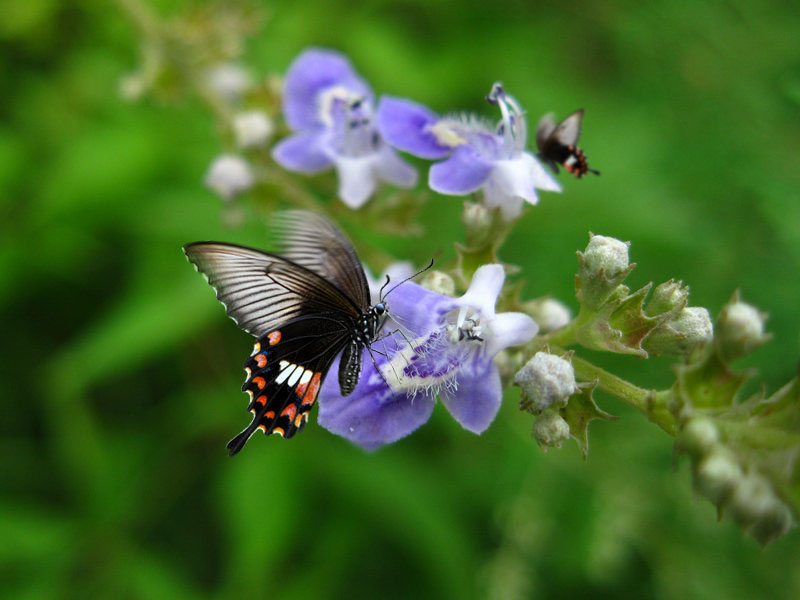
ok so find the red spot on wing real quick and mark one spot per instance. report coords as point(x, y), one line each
point(313, 389)
point(270, 414)
point(274, 337)
point(262, 400)
point(260, 382)
point(290, 411)
point(261, 361)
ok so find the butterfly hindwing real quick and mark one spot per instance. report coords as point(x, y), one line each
point(285, 372)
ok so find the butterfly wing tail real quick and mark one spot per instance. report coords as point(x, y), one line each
point(237, 443)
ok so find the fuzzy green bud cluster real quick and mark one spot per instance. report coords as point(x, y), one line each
point(740, 329)
point(548, 313)
point(550, 429)
point(604, 265)
point(735, 489)
point(690, 327)
point(546, 381)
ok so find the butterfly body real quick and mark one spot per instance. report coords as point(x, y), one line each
point(305, 307)
point(557, 144)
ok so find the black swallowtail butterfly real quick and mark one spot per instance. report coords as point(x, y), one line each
point(558, 144)
point(304, 306)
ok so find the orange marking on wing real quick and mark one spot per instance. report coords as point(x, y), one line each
point(262, 400)
point(301, 389)
point(260, 382)
point(256, 347)
point(274, 337)
point(298, 420)
point(290, 411)
point(261, 361)
point(313, 389)
point(263, 428)
point(279, 431)
point(270, 414)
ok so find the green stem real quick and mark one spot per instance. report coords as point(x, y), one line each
point(654, 404)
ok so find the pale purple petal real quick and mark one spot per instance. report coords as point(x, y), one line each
point(309, 74)
point(463, 173)
point(509, 329)
point(372, 415)
point(485, 287)
point(406, 126)
point(476, 400)
point(302, 152)
point(514, 180)
point(417, 309)
point(390, 167)
point(357, 178)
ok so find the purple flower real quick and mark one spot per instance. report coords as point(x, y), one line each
point(330, 109)
point(478, 156)
point(444, 346)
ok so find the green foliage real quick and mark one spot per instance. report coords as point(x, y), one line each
point(121, 373)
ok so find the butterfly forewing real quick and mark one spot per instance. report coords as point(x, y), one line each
point(260, 290)
point(544, 129)
point(314, 242)
point(569, 130)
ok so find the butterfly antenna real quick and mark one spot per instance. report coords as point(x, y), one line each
point(420, 272)
point(380, 293)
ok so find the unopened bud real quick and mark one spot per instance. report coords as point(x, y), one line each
point(740, 329)
point(607, 255)
point(546, 380)
point(477, 219)
point(718, 475)
point(550, 430)
point(229, 175)
point(669, 296)
point(252, 129)
point(603, 267)
point(549, 314)
point(228, 80)
point(440, 283)
point(698, 436)
point(691, 327)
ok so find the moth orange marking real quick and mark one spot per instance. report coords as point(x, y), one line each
point(262, 400)
point(313, 389)
point(290, 411)
point(261, 361)
point(260, 382)
point(270, 414)
point(274, 337)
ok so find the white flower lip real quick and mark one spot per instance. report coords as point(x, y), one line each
point(499, 330)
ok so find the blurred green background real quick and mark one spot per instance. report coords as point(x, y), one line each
point(121, 374)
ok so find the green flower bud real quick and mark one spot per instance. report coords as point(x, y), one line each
point(668, 297)
point(546, 380)
point(718, 475)
point(252, 129)
point(477, 219)
point(550, 430)
point(679, 336)
point(440, 283)
point(740, 329)
point(603, 267)
point(699, 436)
point(549, 314)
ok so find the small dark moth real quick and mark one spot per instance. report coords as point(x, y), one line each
point(557, 144)
point(304, 306)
